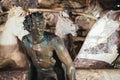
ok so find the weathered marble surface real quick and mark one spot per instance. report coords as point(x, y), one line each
point(101, 43)
point(98, 74)
point(81, 74)
point(13, 75)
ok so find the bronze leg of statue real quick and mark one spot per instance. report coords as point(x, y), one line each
point(32, 74)
point(46, 75)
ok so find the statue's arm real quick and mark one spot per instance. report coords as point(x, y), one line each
point(30, 63)
point(28, 47)
point(65, 58)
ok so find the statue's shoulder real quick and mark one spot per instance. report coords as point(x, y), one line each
point(49, 36)
point(27, 39)
point(53, 39)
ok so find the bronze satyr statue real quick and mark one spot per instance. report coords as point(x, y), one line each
point(40, 46)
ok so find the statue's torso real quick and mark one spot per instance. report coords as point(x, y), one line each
point(42, 54)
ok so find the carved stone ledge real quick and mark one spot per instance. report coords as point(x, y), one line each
point(98, 74)
point(13, 75)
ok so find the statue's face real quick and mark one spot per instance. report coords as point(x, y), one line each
point(34, 23)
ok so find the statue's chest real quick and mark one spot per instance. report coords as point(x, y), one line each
point(38, 47)
point(42, 50)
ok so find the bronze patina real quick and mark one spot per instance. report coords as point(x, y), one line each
point(40, 47)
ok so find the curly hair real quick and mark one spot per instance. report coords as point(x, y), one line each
point(33, 20)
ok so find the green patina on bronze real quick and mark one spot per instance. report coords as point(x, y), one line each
point(41, 45)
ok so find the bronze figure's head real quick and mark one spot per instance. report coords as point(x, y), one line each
point(34, 23)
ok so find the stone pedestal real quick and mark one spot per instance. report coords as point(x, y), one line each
point(98, 74)
point(81, 74)
point(13, 75)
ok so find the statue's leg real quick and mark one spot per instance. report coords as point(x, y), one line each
point(32, 74)
point(58, 68)
point(47, 75)
point(51, 76)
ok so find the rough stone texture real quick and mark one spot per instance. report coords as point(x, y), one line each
point(59, 3)
point(81, 74)
point(3, 18)
point(91, 64)
point(98, 74)
point(13, 75)
point(101, 44)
